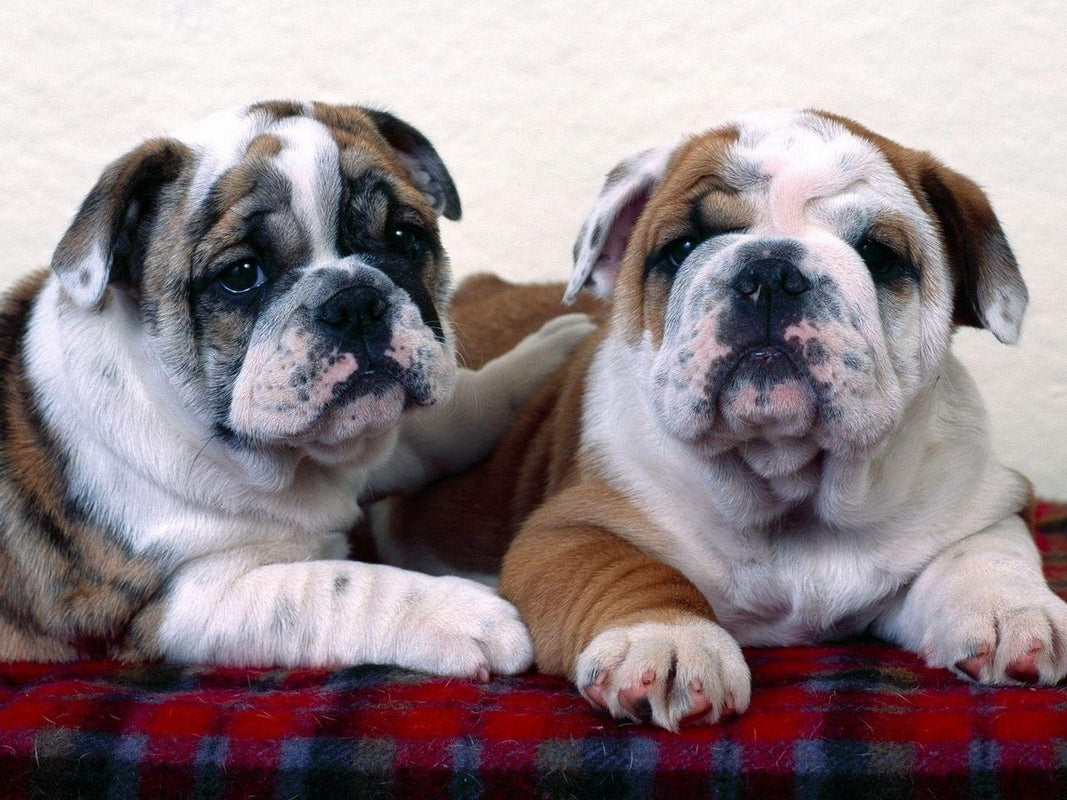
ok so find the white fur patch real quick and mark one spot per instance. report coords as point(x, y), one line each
point(1003, 314)
point(309, 158)
point(219, 142)
point(85, 282)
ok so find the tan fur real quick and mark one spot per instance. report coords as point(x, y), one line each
point(640, 304)
point(279, 109)
point(573, 573)
point(491, 315)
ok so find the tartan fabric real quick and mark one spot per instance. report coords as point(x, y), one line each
point(853, 720)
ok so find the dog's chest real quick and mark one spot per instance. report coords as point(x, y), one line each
point(798, 583)
point(803, 587)
point(794, 585)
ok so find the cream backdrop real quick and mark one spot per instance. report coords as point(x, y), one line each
point(531, 104)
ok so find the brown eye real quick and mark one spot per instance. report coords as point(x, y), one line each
point(678, 250)
point(242, 277)
point(882, 261)
point(408, 241)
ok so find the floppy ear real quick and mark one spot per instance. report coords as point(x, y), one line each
point(106, 241)
point(427, 170)
point(602, 239)
point(990, 292)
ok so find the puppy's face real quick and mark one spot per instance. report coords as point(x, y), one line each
point(286, 266)
point(793, 276)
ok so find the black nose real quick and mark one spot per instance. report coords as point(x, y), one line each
point(767, 276)
point(353, 314)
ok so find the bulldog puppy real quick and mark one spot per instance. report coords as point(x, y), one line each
point(222, 358)
point(769, 443)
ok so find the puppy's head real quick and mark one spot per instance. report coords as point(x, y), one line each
point(284, 265)
point(793, 275)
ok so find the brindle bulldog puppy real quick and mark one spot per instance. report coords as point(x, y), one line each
point(245, 328)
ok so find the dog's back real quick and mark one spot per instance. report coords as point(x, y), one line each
point(492, 315)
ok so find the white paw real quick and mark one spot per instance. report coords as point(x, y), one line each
point(667, 672)
point(541, 353)
point(1008, 636)
point(459, 627)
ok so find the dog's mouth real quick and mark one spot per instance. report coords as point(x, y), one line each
point(379, 377)
point(329, 397)
point(764, 385)
point(764, 365)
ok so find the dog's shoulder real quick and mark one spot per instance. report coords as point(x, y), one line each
point(15, 307)
point(67, 587)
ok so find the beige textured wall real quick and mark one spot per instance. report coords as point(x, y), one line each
point(532, 103)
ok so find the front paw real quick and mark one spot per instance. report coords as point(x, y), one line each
point(669, 673)
point(1007, 637)
point(541, 353)
point(462, 628)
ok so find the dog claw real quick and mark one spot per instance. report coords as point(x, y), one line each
point(697, 668)
point(1025, 668)
point(595, 693)
point(973, 665)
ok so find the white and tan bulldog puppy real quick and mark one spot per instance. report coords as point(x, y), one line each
point(245, 328)
point(769, 442)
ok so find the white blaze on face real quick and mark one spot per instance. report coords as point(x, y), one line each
point(219, 142)
point(309, 159)
point(800, 159)
point(804, 160)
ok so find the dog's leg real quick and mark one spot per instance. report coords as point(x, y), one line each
point(442, 440)
point(234, 609)
point(982, 608)
point(636, 637)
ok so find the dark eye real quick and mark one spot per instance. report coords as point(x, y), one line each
point(242, 277)
point(408, 241)
point(678, 250)
point(882, 261)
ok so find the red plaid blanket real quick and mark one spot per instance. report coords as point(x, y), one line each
point(850, 721)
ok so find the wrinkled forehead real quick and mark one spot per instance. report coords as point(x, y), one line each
point(296, 154)
point(222, 140)
point(793, 168)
